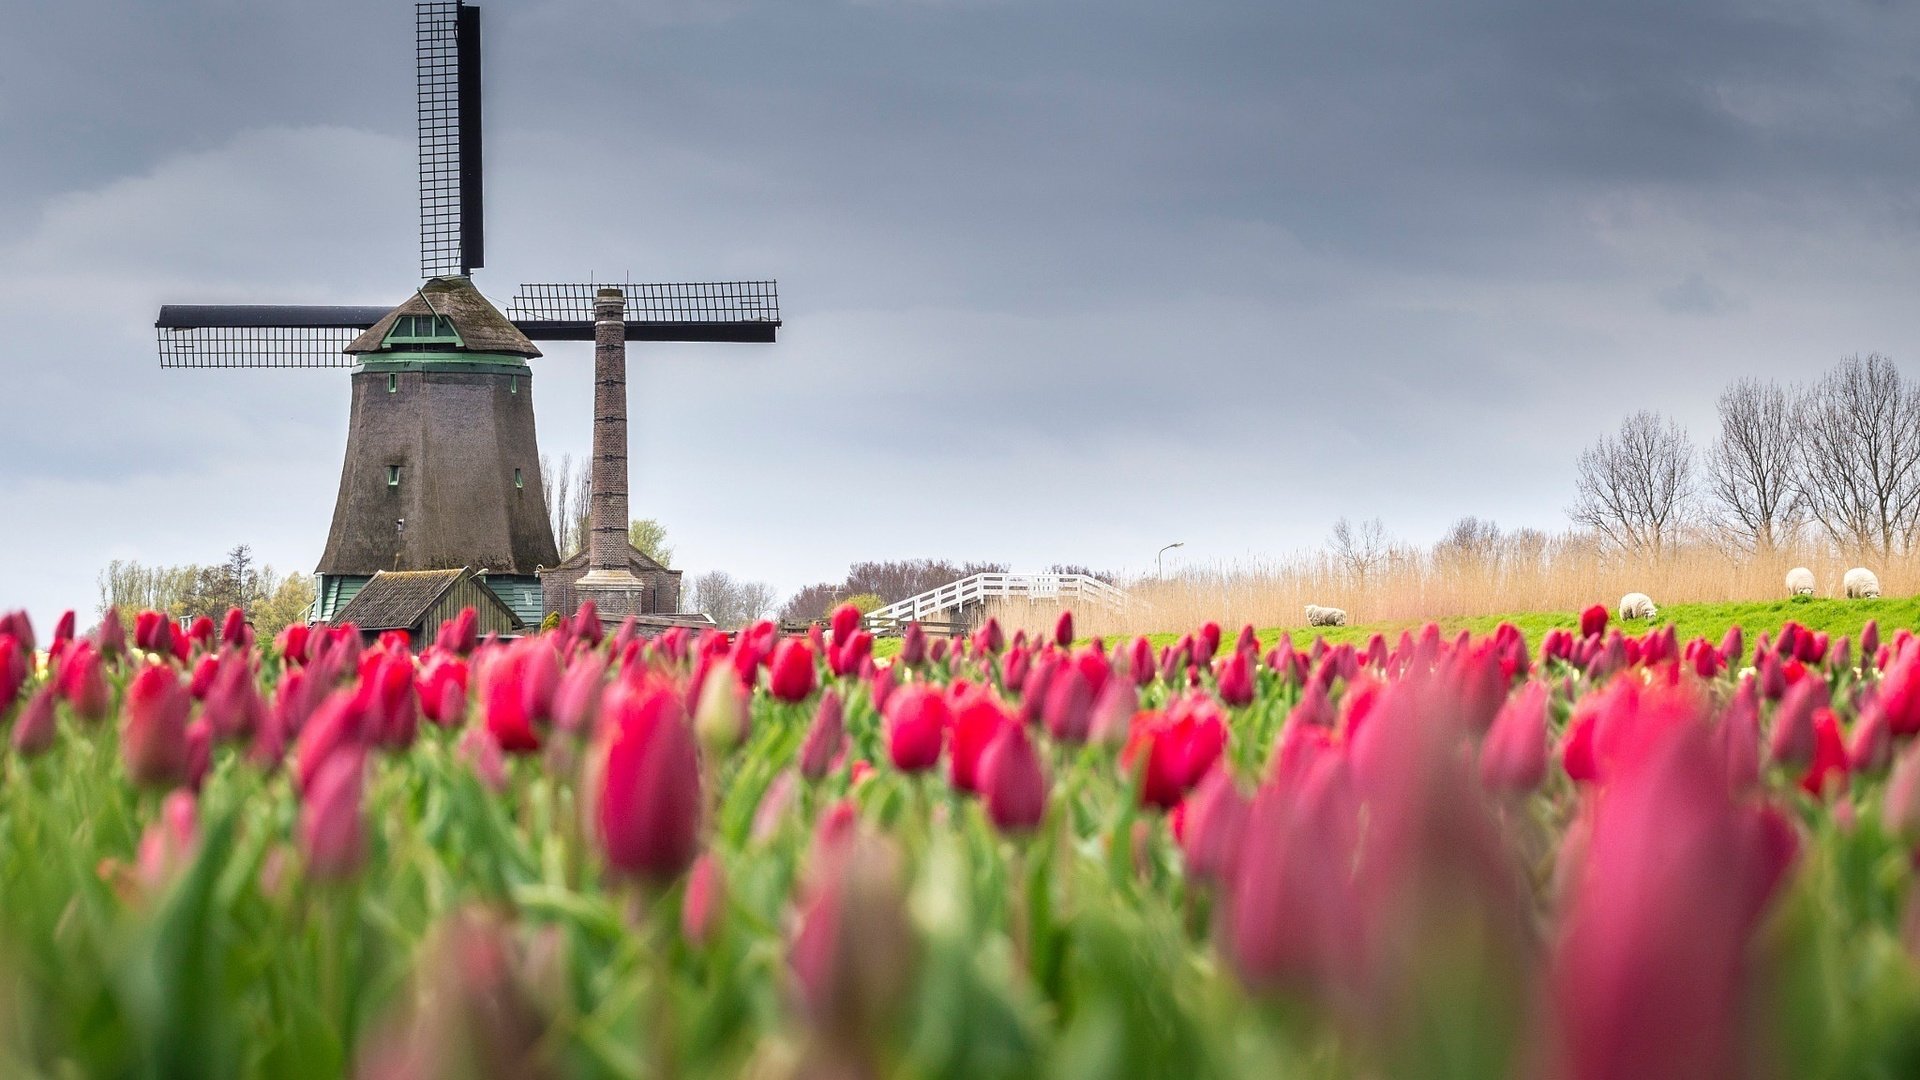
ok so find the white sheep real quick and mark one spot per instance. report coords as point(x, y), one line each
point(1800, 581)
point(1861, 584)
point(1637, 605)
point(1325, 616)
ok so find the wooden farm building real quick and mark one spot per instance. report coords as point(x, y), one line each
point(417, 601)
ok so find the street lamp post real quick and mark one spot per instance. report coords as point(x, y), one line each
point(1159, 568)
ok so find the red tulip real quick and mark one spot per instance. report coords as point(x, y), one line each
point(1514, 756)
point(1012, 780)
point(649, 799)
point(1827, 769)
point(1869, 642)
point(293, 643)
point(1173, 750)
point(442, 686)
point(917, 720)
point(846, 622)
point(792, 677)
point(233, 628)
point(14, 669)
point(1206, 644)
point(153, 632)
point(153, 738)
point(1140, 665)
point(977, 720)
point(1063, 630)
point(1593, 621)
point(826, 738)
point(110, 637)
point(332, 825)
point(1900, 693)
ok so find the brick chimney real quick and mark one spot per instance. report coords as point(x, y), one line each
point(608, 580)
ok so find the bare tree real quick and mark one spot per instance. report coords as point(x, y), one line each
point(1470, 542)
point(1859, 456)
point(1635, 488)
point(1361, 547)
point(1750, 467)
point(729, 601)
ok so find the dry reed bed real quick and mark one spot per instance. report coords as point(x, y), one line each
point(1411, 586)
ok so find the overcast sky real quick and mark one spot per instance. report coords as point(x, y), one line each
point(1063, 280)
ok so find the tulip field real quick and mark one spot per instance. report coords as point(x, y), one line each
point(1599, 854)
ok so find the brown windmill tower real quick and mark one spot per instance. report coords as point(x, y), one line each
point(442, 465)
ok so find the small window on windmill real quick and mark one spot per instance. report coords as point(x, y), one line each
point(422, 330)
point(393, 383)
point(513, 384)
point(393, 476)
point(516, 478)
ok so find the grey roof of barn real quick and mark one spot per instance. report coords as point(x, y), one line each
point(397, 599)
point(481, 326)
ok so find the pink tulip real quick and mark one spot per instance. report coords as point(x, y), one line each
point(110, 637)
point(332, 822)
point(153, 738)
point(1514, 756)
point(1792, 741)
point(35, 729)
point(1215, 827)
point(83, 682)
point(913, 645)
point(649, 798)
point(1013, 781)
point(1236, 680)
point(917, 719)
point(1827, 766)
point(1068, 710)
point(826, 738)
point(705, 901)
point(845, 621)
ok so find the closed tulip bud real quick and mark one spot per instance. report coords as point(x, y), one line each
point(1900, 808)
point(991, 639)
point(704, 902)
point(34, 731)
point(826, 738)
point(110, 637)
point(1236, 680)
point(294, 642)
point(1869, 641)
point(854, 952)
point(722, 717)
point(332, 822)
point(1215, 827)
point(1792, 741)
point(481, 753)
point(1140, 663)
point(1013, 781)
point(845, 621)
point(1068, 711)
point(1827, 771)
point(233, 628)
point(1514, 756)
point(792, 677)
point(1063, 630)
point(917, 720)
point(649, 799)
point(937, 651)
point(1113, 712)
point(977, 720)
point(1872, 745)
point(153, 738)
point(913, 645)
point(152, 632)
point(1593, 621)
point(1739, 737)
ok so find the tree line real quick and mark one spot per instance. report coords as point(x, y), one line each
point(270, 599)
point(1837, 459)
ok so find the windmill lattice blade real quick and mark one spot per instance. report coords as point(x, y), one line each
point(259, 336)
point(659, 311)
point(447, 70)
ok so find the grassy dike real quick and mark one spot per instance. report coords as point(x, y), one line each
point(1836, 617)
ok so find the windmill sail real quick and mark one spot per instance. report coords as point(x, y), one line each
point(447, 74)
point(667, 311)
point(260, 336)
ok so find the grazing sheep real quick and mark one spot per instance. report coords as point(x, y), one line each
point(1637, 605)
point(1861, 584)
point(1800, 581)
point(1325, 616)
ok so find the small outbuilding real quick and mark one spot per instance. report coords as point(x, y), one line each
point(418, 601)
point(657, 594)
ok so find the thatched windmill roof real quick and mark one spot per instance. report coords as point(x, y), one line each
point(481, 326)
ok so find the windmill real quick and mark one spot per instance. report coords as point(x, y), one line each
point(442, 465)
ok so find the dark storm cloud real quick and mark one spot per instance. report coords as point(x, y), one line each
point(1266, 262)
